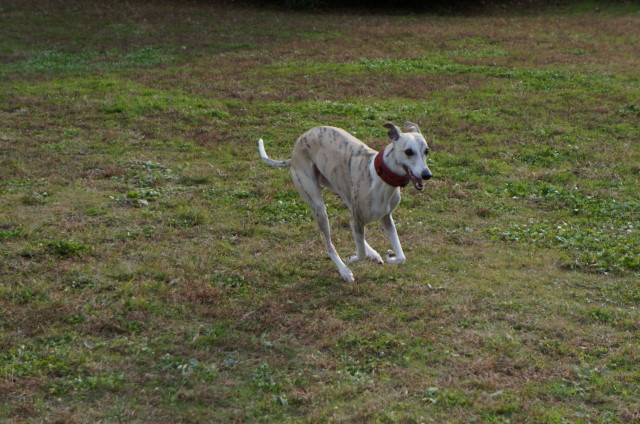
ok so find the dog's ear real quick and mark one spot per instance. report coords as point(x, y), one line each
point(394, 132)
point(411, 127)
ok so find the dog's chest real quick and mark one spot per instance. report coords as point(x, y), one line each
point(375, 203)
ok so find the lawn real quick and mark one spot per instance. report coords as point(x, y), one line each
point(153, 269)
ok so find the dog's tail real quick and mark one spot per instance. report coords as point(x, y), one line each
point(271, 162)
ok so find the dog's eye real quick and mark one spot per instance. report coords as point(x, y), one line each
point(408, 152)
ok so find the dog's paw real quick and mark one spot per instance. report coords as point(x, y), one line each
point(347, 275)
point(393, 259)
point(374, 256)
point(353, 259)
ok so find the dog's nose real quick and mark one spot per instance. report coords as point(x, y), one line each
point(426, 175)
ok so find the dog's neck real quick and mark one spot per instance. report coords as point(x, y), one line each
point(386, 174)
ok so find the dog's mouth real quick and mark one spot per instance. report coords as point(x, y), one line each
point(418, 183)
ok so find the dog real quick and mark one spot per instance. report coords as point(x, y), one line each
point(367, 181)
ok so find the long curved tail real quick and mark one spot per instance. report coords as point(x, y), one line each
point(271, 162)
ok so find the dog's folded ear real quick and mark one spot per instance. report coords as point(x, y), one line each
point(411, 127)
point(394, 132)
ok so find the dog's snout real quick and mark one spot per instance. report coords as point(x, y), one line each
point(426, 174)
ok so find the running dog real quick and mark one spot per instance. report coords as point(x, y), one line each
point(367, 181)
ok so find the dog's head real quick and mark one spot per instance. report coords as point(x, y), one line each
point(410, 152)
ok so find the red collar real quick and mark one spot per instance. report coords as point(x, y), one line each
point(387, 175)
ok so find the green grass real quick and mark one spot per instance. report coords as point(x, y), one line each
point(152, 268)
point(52, 61)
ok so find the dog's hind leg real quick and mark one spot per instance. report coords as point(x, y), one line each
point(397, 255)
point(309, 188)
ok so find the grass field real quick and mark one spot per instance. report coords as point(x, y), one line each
point(153, 269)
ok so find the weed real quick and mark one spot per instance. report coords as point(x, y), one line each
point(38, 359)
point(446, 398)
point(544, 157)
point(186, 218)
point(29, 294)
point(11, 233)
point(79, 282)
point(264, 379)
point(35, 198)
point(630, 110)
point(364, 356)
point(66, 248)
point(287, 207)
point(184, 367)
point(109, 382)
point(147, 174)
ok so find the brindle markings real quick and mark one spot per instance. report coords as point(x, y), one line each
point(332, 157)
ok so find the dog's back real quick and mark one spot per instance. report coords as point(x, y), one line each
point(340, 158)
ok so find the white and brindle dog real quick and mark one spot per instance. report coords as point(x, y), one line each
point(367, 181)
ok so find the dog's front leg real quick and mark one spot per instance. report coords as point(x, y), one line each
point(397, 255)
point(363, 250)
point(357, 228)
